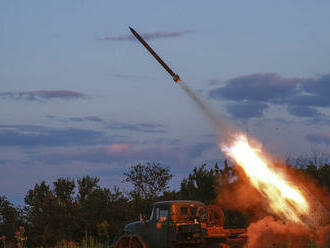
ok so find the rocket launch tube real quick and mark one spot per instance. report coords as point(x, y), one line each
point(175, 77)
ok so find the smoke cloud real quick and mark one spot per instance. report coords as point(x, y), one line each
point(269, 232)
point(323, 237)
point(240, 195)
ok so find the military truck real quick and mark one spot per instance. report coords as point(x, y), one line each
point(181, 224)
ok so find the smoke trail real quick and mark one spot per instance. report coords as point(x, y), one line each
point(222, 127)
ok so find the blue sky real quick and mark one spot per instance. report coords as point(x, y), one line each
point(79, 97)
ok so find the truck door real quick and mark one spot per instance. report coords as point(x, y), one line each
point(157, 227)
point(162, 227)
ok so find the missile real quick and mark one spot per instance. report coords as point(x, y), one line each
point(175, 77)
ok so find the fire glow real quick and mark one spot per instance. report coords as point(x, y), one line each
point(285, 199)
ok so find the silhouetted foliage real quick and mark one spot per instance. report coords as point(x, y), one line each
point(10, 219)
point(201, 184)
point(58, 214)
point(86, 186)
point(148, 182)
point(316, 165)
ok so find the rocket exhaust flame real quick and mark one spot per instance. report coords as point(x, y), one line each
point(285, 199)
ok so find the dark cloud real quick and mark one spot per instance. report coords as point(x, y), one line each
point(303, 111)
point(311, 92)
point(256, 87)
point(247, 109)
point(143, 127)
point(319, 87)
point(249, 96)
point(86, 118)
point(319, 138)
point(4, 161)
point(138, 127)
point(308, 100)
point(146, 36)
point(30, 136)
point(42, 95)
point(165, 141)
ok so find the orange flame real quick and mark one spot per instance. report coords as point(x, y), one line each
point(285, 199)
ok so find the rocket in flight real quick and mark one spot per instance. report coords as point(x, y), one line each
point(175, 77)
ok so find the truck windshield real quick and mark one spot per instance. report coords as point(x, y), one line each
point(187, 213)
point(159, 214)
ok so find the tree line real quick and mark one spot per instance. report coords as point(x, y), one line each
point(71, 210)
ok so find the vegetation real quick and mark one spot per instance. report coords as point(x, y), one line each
point(81, 213)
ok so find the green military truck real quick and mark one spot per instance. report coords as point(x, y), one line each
point(181, 224)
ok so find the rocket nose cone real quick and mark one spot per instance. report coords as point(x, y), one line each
point(132, 30)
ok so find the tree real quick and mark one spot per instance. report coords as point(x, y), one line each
point(315, 164)
point(66, 226)
point(86, 186)
point(56, 215)
point(201, 184)
point(10, 219)
point(64, 189)
point(38, 195)
point(148, 181)
point(101, 211)
point(42, 215)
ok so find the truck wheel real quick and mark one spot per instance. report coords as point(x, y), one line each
point(122, 243)
point(134, 243)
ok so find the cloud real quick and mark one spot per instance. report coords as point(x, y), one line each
point(4, 161)
point(249, 96)
point(146, 36)
point(319, 138)
point(33, 135)
point(247, 109)
point(313, 92)
point(138, 127)
point(143, 127)
point(319, 87)
point(86, 118)
point(42, 95)
point(303, 111)
point(256, 87)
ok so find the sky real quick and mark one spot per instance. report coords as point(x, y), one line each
point(79, 96)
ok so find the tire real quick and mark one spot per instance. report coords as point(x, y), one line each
point(128, 242)
point(134, 243)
